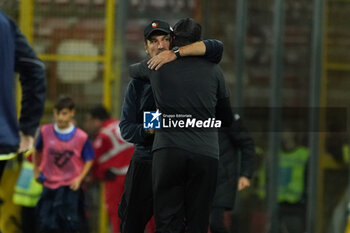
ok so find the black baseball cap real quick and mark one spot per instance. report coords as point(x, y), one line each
point(157, 25)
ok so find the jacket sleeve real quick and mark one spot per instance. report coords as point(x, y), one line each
point(140, 70)
point(131, 130)
point(101, 145)
point(223, 109)
point(214, 50)
point(240, 137)
point(33, 83)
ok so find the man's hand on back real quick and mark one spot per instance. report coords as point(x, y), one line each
point(162, 58)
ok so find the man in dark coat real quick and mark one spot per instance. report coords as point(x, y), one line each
point(136, 207)
point(185, 159)
point(16, 55)
point(236, 165)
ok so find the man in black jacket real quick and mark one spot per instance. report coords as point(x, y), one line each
point(136, 207)
point(185, 159)
point(234, 171)
point(17, 55)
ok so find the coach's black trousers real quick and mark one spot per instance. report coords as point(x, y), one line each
point(183, 189)
point(136, 207)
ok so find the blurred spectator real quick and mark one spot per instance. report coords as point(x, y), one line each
point(292, 184)
point(113, 156)
point(62, 158)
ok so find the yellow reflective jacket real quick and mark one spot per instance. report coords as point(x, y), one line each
point(292, 167)
point(27, 189)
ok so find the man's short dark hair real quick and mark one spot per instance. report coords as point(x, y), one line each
point(99, 112)
point(187, 31)
point(64, 102)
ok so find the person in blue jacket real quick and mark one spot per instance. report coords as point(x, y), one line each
point(16, 55)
